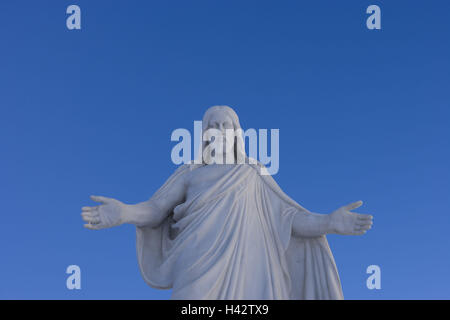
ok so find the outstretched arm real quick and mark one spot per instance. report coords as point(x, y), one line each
point(151, 213)
point(341, 221)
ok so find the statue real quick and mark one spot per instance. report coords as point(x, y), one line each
point(226, 231)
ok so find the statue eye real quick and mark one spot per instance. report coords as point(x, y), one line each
point(214, 125)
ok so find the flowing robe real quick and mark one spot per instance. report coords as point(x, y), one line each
point(232, 238)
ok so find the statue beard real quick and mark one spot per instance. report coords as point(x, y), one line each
point(234, 153)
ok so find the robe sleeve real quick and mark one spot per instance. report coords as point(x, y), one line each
point(153, 242)
point(310, 263)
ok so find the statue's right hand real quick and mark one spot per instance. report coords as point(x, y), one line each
point(108, 214)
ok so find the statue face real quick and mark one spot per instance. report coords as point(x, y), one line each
point(222, 122)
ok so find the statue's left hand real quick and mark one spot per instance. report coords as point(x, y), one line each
point(345, 222)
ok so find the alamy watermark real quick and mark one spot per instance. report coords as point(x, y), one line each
point(374, 280)
point(227, 146)
point(73, 281)
point(373, 22)
point(73, 22)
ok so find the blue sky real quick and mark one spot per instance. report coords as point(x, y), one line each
point(362, 115)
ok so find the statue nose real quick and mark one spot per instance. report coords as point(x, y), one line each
point(220, 127)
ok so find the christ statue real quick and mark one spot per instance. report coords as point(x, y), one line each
point(221, 230)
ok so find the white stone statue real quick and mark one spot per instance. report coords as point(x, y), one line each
point(225, 231)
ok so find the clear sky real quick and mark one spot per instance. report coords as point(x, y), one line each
point(362, 115)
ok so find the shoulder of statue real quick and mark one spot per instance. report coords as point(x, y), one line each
point(187, 167)
point(257, 165)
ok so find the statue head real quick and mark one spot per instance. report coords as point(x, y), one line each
point(222, 136)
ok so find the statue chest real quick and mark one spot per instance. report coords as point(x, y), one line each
point(206, 177)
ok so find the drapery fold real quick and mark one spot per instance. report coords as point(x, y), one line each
point(233, 240)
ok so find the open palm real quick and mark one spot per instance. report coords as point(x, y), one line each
point(106, 215)
point(345, 222)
